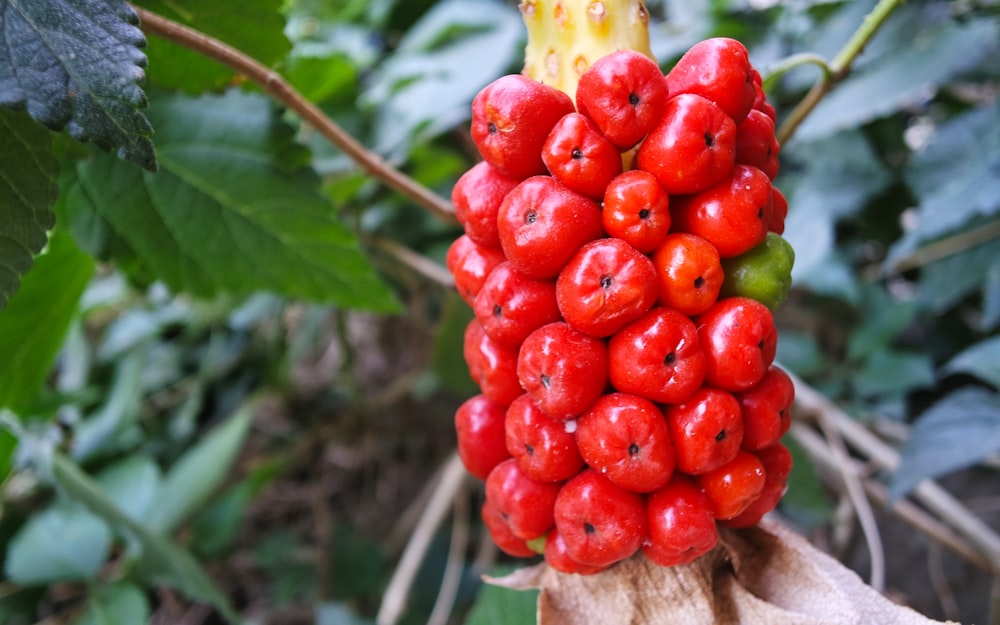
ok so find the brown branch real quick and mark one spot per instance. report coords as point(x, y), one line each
point(276, 86)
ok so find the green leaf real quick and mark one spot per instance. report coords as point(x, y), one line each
point(234, 208)
point(805, 501)
point(27, 192)
point(8, 445)
point(197, 474)
point(62, 542)
point(503, 606)
point(132, 484)
point(448, 361)
point(889, 371)
point(882, 319)
point(77, 65)
point(254, 26)
point(945, 282)
point(118, 604)
point(981, 360)
point(956, 432)
point(34, 324)
point(100, 431)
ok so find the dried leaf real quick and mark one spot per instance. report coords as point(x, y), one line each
point(765, 575)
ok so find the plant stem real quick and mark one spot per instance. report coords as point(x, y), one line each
point(839, 67)
point(796, 60)
point(276, 86)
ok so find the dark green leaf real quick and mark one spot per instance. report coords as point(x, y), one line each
point(889, 371)
point(78, 65)
point(27, 191)
point(981, 360)
point(449, 364)
point(62, 542)
point(215, 528)
point(120, 603)
point(957, 432)
point(950, 279)
point(255, 27)
point(8, 445)
point(34, 324)
point(234, 207)
point(503, 606)
point(882, 318)
point(805, 501)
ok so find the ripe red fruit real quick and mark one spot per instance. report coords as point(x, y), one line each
point(777, 461)
point(657, 357)
point(731, 214)
point(756, 144)
point(766, 409)
point(600, 523)
point(706, 429)
point(511, 117)
point(680, 524)
point(545, 448)
point(479, 425)
point(718, 69)
point(477, 196)
point(625, 437)
point(692, 148)
point(760, 102)
point(563, 370)
point(469, 265)
point(624, 93)
point(501, 533)
point(542, 224)
point(731, 488)
point(493, 366)
point(558, 558)
point(578, 155)
point(607, 284)
point(689, 271)
point(738, 338)
point(636, 210)
point(525, 504)
point(510, 306)
point(777, 210)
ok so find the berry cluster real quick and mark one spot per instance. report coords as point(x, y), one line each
point(622, 256)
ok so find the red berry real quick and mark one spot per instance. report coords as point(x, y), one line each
point(502, 535)
point(756, 144)
point(636, 210)
point(563, 370)
point(731, 488)
point(511, 117)
point(760, 102)
point(600, 523)
point(479, 424)
point(689, 271)
point(545, 448)
point(718, 69)
point(730, 215)
point(706, 429)
point(492, 365)
point(657, 357)
point(525, 504)
point(625, 437)
point(578, 155)
point(624, 93)
point(738, 338)
point(510, 306)
point(680, 524)
point(607, 284)
point(477, 196)
point(776, 211)
point(766, 409)
point(469, 264)
point(542, 224)
point(777, 461)
point(692, 149)
point(558, 558)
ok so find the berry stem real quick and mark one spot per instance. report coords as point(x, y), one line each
point(796, 60)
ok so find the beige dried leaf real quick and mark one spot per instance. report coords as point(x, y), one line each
point(766, 575)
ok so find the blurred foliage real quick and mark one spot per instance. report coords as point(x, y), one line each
point(166, 308)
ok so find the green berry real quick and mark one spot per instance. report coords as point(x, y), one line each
point(764, 273)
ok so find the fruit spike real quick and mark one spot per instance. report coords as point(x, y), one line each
point(566, 36)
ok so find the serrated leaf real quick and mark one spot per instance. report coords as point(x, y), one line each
point(253, 26)
point(234, 208)
point(27, 192)
point(118, 604)
point(34, 324)
point(981, 360)
point(77, 65)
point(62, 542)
point(956, 432)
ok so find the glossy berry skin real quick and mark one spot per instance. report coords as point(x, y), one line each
point(492, 366)
point(625, 437)
point(766, 409)
point(600, 523)
point(730, 215)
point(470, 264)
point(776, 211)
point(558, 558)
point(545, 448)
point(760, 102)
point(718, 69)
point(477, 196)
point(564, 370)
point(542, 224)
point(605, 285)
point(680, 524)
point(756, 144)
point(706, 429)
point(501, 533)
point(624, 94)
point(511, 118)
point(578, 155)
point(479, 425)
point(525, 504)
point(657, 357)
point(689, 271)
point(777, 462)
point(693, 147)
point(731, 488)
point(510, 306)
point(763, 273)
point(636, 210)
point(738, 338)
